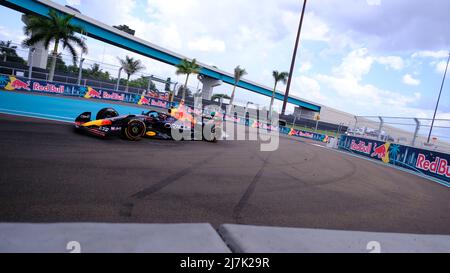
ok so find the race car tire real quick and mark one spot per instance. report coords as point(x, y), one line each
point(107, 113)
point(134, 130)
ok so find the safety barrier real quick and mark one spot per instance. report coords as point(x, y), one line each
point(13, 83)
point(430, 163)
point(283, 130)
point(305, 134)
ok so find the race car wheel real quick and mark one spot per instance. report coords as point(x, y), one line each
point(134, 130)
point(107, 113)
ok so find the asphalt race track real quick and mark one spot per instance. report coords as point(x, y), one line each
point(48, 173)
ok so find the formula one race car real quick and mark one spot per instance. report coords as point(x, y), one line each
point(151, 124)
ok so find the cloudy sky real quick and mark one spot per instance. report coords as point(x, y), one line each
point(366, 57)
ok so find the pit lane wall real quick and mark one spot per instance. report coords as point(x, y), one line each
point(426, 162)
point(14, 83)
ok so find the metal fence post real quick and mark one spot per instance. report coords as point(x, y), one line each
point(149, 82)
point(80, 72)
point(30, 69)
point(118, 79)
point(380, 127)
point(356, 123)
point(416, 131)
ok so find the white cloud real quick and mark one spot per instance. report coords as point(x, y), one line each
point(356, 64)
point(440, 67)
point(4, 33)
point(409, 80)
point(431, 54)
point(394, 62)
point(350, 94)
point(73, 2)
point(313, 29)
point(305, 67)
point(308, 88)
point(207, 44)
point(373, 2)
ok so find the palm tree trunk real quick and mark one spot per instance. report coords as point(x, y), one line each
point(183, 97)
point(232, 94)
point(128, 83)
point(4, 58)
point(273, 97)
point(53, 66)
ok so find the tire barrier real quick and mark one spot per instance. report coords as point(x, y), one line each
point(430, 163)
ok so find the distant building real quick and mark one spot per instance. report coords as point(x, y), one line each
point(303, 113)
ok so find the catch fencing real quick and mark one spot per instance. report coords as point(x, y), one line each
point(405, 131)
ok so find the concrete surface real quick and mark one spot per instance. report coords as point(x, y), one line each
point(48, 173)
point(101, 237)
point(258, 239)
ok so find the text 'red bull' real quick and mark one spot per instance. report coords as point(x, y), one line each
point(440, 166)
point(48, 88)
point(361, 147)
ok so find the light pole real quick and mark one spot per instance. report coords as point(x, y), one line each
point(439, 97)
point(80, 72)
point(118, 79)
point(30, 69)
point(294, 55)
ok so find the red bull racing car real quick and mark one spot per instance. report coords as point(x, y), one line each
point(151, 124)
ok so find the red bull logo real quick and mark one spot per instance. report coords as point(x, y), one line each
point(92, 93)
point(382, 152)
point(16, 84)
point(144, 101)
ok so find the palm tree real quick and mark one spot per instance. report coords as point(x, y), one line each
point(277, 76)
point(188, 68)
point(238, 74)
point(95, 70)
point(7, 49)
point(131, 66)
point(57, 29)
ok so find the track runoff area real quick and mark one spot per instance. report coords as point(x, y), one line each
point(51, 174)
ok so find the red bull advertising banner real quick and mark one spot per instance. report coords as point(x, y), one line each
point(13, 83)
point(305, 134)
point(431, 163)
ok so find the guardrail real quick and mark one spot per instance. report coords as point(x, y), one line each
point(430, 163)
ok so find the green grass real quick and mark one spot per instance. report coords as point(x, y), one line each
point(325, 132)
